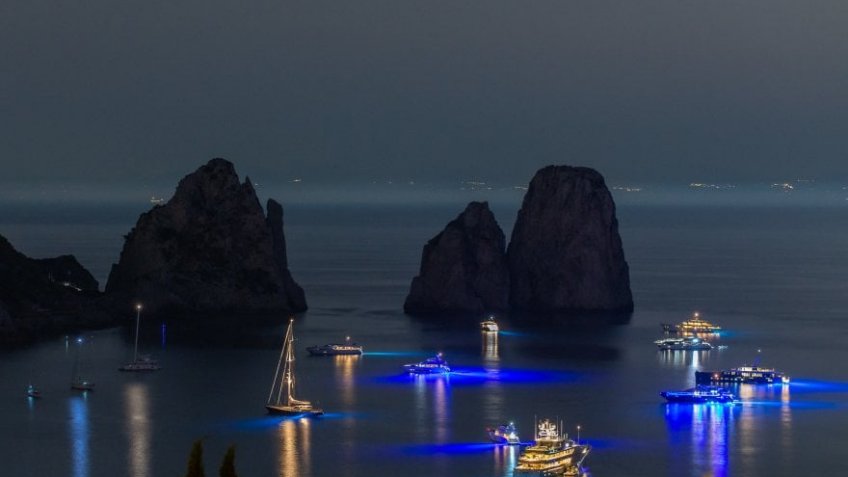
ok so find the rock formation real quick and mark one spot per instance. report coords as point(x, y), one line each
point(43, 297)
point(210, 249)
point(463, 268)
point(565, 253)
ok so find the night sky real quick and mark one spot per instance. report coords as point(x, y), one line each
point(128, 92)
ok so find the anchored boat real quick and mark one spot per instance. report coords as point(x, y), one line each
point(742, 375)
point(434, 365)
point(700, 394)
point(504, 434)
point(281, 400)
point(694, 325)
point(143, 362)
point(335, 349)
point(551, 453)
point(683, 344)
point(489, 326)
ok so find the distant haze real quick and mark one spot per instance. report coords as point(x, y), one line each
point(106, 93)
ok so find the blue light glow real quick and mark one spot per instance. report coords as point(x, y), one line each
point(79, 435)
point(450, 448)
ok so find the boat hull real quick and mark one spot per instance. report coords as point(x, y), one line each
point(317, 351)
point(568, 465)
point(293, 411)
point(139, 368)
point(674, 397)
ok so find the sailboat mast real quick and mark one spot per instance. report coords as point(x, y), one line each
point(137, 321)
point(290, 363)
point(277, 376)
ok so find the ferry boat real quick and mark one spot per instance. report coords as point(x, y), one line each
point(742, 375)
point(683, 344)
point(551, 453)
point(281, 400)
point(139, 363)
point(434, 365)
point(700, 394)
point(335, 349)
point(694, 325)
point(504, 434)
point(489, 326)
point(33, 392)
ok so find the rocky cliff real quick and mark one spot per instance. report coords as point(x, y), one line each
point(46, 296)
point(463, 268)
point(565, 253)
point(209, 249)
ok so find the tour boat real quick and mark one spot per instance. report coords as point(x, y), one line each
point(504, 434)
point(143, 362)
point(683, 344)
point(700, 394)
point(742, 375)
point(489, 326)
point(551, 453)
point(281, 400)
point(434, 365)
point(335, 349)
point(695, 325)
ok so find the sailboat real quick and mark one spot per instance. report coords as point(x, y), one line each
point(77, 381)
point(281, 400)
point(143, 362)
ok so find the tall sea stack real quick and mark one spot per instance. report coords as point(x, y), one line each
point(211, 249)
point(463, 268)
point(565, 254)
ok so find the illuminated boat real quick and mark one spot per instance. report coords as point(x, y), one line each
point(335, 349)
point(504, 434)
point(139, 363)
point(434, 365)
point(33, 392)
point(700, 394)
point(695, 325)
point(683, 344)
point(489, 326)
point(742, 375)
point(80, 384)
point(281, 400)
point(551, 454)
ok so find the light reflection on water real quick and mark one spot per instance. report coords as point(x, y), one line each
point(79, 434)
point(705, 429)
point(137, 408)
point(295, 442)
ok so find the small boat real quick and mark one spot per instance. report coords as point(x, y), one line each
point(140, 363)
point(695, 325)
point(742, 375)
point(700, 394)
point(489, 326)
point(504, 434)
point(281, 400)
point(80, 384)
point(434, 365)
point(33, 392)
point(551, 453)
point(683, 344)
point(335, 349)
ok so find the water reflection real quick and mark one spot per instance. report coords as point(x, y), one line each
point(138, 424)
point(344, 366)
point(692, 360)
point(490, 347)
point(493, 395)
point(295, 442)
point(79, 434)
point(705, 430)
point(505, 459)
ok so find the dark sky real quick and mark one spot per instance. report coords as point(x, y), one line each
point(129, 91)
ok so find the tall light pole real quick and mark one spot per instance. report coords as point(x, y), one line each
point(578, 433)
point(137, 320)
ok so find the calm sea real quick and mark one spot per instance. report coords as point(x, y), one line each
point(775, 277)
